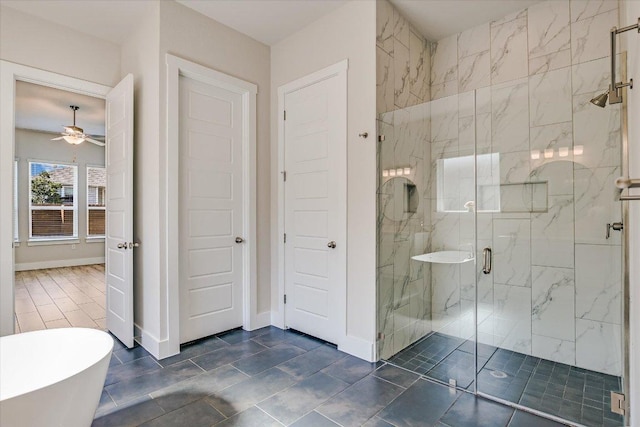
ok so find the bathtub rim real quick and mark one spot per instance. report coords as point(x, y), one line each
point(102, 339)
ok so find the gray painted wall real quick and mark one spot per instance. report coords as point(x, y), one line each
point(32, 145)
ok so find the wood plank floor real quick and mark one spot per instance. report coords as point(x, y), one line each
point(60, 297)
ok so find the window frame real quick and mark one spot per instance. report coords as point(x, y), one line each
point(104, 208)
point(74, 208)
point(16, 200)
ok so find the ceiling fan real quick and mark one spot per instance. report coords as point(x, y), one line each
point(74, 134)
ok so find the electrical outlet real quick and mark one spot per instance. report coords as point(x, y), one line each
point(73, 246)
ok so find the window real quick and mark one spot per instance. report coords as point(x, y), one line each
point(96, 197)
point(52, 203)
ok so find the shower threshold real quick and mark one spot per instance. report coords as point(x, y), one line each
point(574, 394)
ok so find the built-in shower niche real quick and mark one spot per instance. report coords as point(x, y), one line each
point(402, 198)
point(456, 188)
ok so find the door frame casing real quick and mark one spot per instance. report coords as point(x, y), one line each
point(339, 71)
point(11, 72)
point(177, 67)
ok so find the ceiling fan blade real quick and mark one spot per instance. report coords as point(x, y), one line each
point(57, 139)
point(95, 141)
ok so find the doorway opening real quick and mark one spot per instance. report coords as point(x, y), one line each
point(118, 201)
point(59, 209)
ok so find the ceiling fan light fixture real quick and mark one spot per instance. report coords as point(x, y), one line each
point(73, 129)
point(75, 140)
point(75, 135)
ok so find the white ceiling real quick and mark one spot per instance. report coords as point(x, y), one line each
point(267, 21)
point(47, 109)
point(270, 21)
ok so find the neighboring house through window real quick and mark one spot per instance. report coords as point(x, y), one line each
point(53, 208)
point(96, 197)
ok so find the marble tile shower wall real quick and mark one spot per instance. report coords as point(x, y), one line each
point(403, 69)
point(403, 61)
point(556, 283)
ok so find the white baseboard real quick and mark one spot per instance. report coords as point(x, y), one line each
point(277, 319)
point(158, 348)
point(358, 347)
point(260, 321)
point(25, 266)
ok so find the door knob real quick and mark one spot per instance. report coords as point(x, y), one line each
point(122, 246)
point(133, 245)
point(331, 244)
point(239, 240)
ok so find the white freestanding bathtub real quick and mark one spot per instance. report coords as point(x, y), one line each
point(52, 377)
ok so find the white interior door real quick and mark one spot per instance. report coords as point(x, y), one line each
point(315, 208)
point(119, 232)
point(211, 210)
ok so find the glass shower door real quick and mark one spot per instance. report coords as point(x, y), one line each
point(426, 239)
point(549, 310)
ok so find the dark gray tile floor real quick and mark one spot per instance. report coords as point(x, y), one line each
point(574, 394)
point(272, 377)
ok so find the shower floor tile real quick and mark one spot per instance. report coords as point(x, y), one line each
point(572, 393)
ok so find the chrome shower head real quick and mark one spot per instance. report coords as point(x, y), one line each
point(601, 100)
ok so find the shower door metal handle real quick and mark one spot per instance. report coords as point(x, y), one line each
point(623, 183)
point(486, 260)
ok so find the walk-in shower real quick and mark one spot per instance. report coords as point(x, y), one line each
point(500, 231)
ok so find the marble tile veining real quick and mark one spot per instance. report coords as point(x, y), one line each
point(419, 66)
point(598, 284)
point(473, 71)
point(401, 75)
point(550, 62)
point(598, 346)
point(597, 131)
point(510, 117)
point(554, 349)
point(587, 8)
point(512, 308)
point(548, 26)
point(400, 28)
point(473, 40)
point(444, 60)
point(511, 252)
point(509, 59)
point(384, 26)
point(550, 97)
point(592, 76)
point(552, 240)
point(444, 119)
point(385, 81)
point(590, 36)
point(552, 292)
